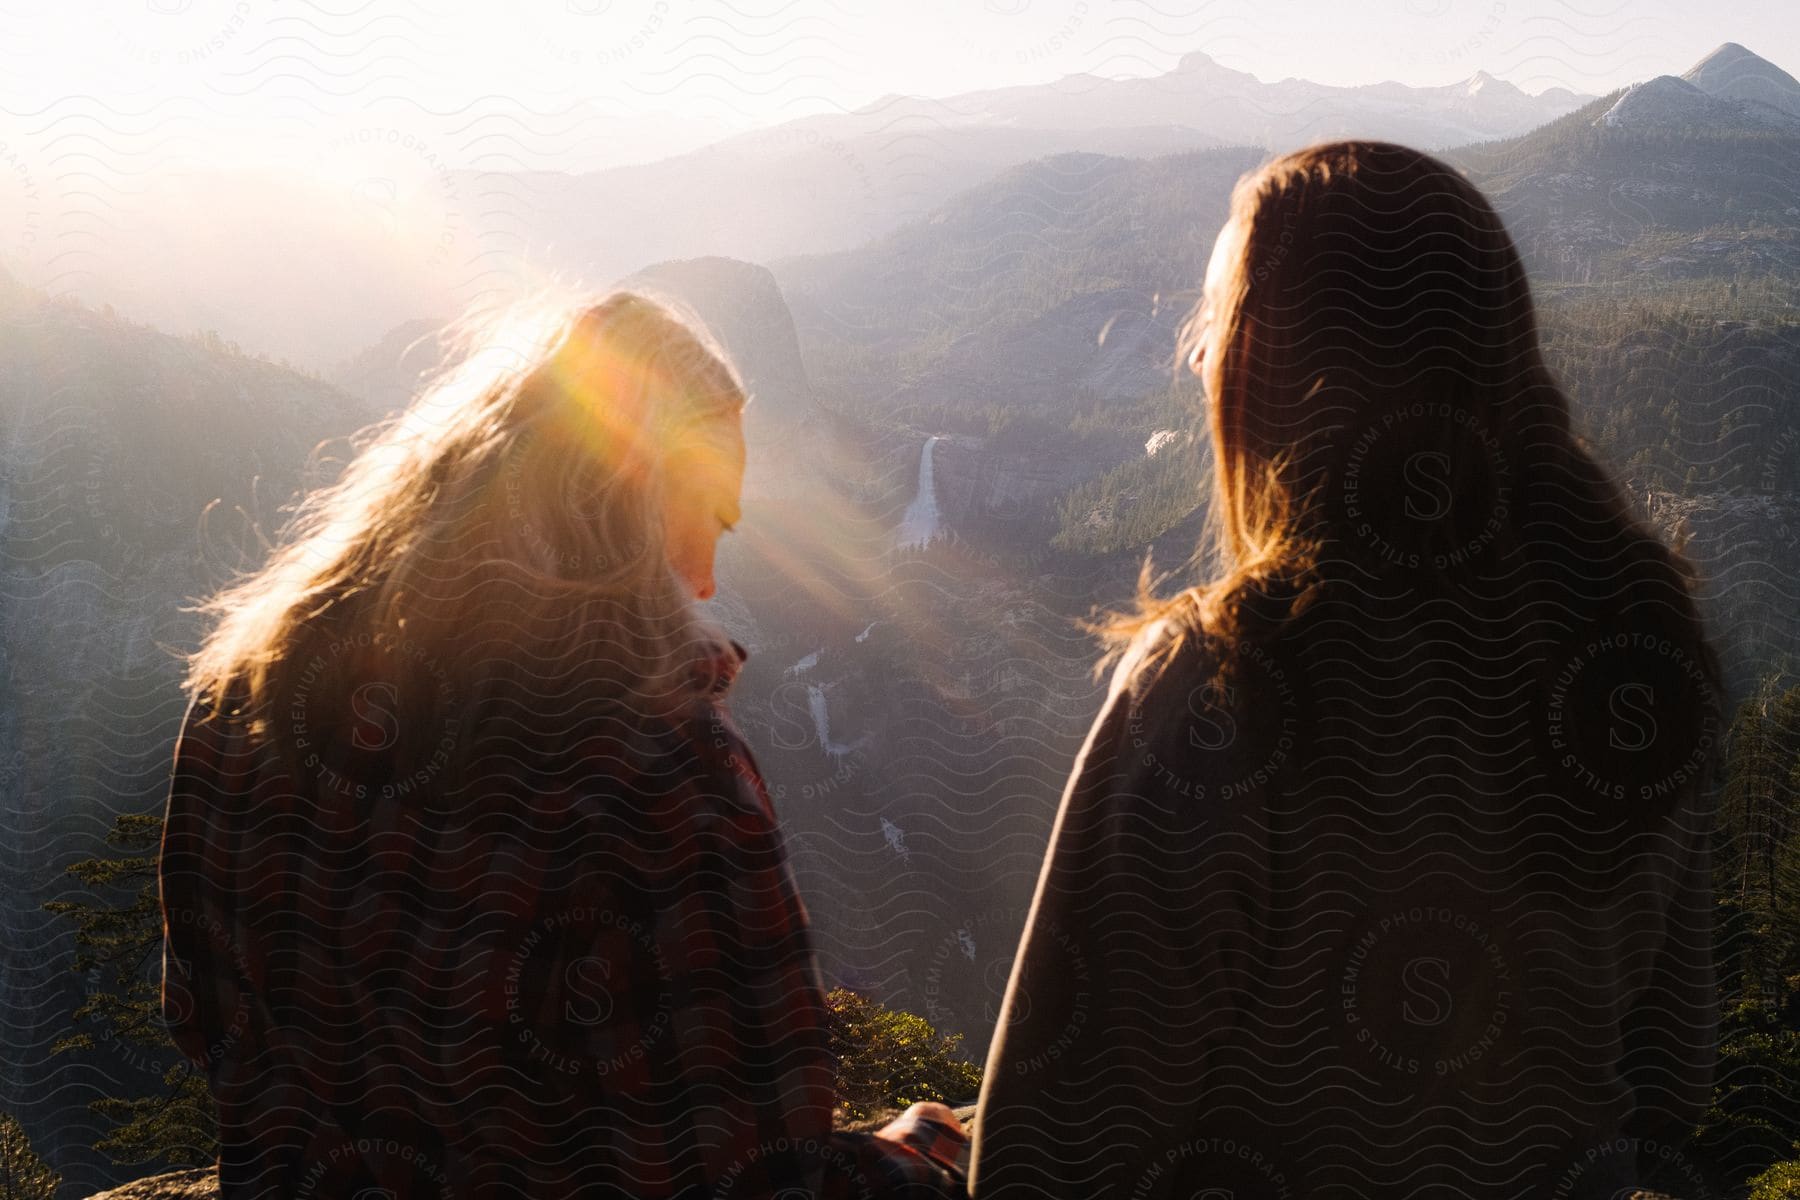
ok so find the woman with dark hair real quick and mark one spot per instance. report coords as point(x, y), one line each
point(470, 887)
point(1384, 868)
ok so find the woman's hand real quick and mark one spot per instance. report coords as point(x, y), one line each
point(924, 1112)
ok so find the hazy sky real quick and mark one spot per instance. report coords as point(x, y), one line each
point(592, 82)
point(174, 158)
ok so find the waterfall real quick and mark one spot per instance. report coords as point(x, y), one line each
point(920, 524)
point(821, 716)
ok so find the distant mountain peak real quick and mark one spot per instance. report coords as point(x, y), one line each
point(1733, 72)
point(1731, 56)
point(1198, 65)
point(1483, 84)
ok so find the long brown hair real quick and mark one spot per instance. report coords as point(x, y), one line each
point(1379, 409)
point(502, 535)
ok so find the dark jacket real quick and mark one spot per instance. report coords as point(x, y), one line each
point(1332, 928)
point(598, 981)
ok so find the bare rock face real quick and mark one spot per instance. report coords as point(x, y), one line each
point(742, 306)
point(201, 1183)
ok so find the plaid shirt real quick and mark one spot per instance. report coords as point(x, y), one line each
point(541, 984)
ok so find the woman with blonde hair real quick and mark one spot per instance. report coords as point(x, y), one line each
point(1384, 868)
point(470, 887)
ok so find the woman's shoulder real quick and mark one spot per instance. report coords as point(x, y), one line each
point(1210, 695)
point(1174, 648)
point(1206, 636)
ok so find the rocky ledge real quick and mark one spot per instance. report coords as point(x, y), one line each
point(176, 1185)
point(203, 1184)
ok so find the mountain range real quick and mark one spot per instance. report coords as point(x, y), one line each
point(391, 231)
point(1059, 283)
point(1685, 177)
point(830, 182)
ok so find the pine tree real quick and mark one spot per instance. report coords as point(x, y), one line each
point(119, 944)
point(1759, 871)
point(23, 1175)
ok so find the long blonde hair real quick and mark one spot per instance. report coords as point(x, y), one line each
point(501, 535)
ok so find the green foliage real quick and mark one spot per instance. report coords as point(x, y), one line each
point(23, 1175)
point(889, 1059)
point(1134, 502)
point(1754, 1124)
point(1753, 1118)
point(1779, 1182)
point(1677, 395)
point(1757, 876)
point(119, 951)
point(1174, 407)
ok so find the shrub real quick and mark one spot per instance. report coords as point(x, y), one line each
point(890, 1059)
point(1779, 1182)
